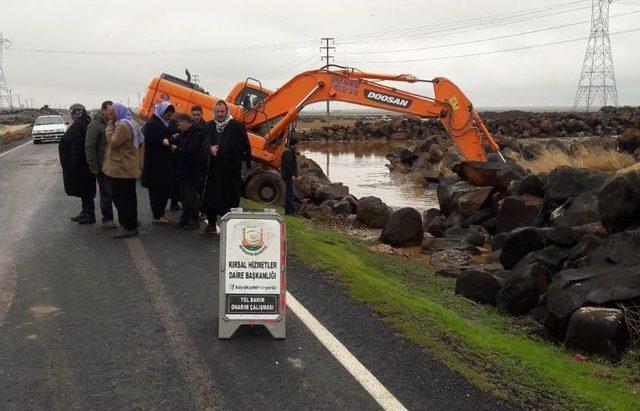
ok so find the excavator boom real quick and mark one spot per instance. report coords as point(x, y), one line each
point(450, 105)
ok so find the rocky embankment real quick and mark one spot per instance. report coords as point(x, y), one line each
point(562, 246)
point(517, 124)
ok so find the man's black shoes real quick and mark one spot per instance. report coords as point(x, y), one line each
point(86, 219)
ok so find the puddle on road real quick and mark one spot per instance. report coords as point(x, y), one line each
point(362, 167)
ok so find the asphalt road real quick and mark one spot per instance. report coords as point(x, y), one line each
point(90, 322)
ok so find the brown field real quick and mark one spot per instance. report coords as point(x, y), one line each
point(315, 122)
point(12, 133)
point(594, 158)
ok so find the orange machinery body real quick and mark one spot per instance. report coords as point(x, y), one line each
point(269, 114)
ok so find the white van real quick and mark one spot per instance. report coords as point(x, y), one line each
point(48, 128)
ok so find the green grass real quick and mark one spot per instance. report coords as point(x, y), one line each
point(496, 352)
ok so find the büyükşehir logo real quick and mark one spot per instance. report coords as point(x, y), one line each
point(252, 240)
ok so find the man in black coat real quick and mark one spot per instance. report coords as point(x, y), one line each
point(186, 157)
point(289, 171)
point(77, 177)
point(229, 147)
point(158, 173)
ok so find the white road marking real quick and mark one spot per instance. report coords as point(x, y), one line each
point(193, 368)
point(368, 381)
point(15, 148)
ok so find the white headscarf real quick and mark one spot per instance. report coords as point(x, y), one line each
point(220, 126)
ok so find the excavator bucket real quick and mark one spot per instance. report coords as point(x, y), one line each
point(462, 122)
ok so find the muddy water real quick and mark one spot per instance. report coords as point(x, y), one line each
point(362, 167)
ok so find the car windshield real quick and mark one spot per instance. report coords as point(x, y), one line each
point(46, 120)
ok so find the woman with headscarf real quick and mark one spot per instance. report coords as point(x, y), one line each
point(122, 166)
point(158, 173)
point(77, 177)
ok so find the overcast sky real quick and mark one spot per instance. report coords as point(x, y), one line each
point(541, 76)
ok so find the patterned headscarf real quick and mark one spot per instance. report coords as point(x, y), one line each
point(124, 115)
point(77, 110)
point(160, 109)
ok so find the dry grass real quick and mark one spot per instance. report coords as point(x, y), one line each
point(312, 123)
point(593, 158)
point(632, 318)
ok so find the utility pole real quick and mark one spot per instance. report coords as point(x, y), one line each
point(196, 78)
point(10, 99)
point(597, 84)
point(327, 57)
point(19, 103)
point(5, 98)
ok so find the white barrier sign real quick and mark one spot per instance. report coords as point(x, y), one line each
point(253, 257)
point(252, 272)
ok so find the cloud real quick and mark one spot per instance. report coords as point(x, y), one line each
point(537, 77)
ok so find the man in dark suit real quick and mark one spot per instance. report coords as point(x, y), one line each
point(229, 147)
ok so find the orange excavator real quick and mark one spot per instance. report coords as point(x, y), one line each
point(270, 115)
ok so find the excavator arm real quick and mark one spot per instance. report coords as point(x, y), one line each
point(450, 106)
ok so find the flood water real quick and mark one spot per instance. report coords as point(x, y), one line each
point(362, 167)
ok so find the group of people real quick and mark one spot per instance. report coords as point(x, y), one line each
point(177, 155)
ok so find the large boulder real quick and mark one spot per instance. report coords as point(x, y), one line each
point(591, 285)
point(521, 242)
point(518, 211)
point(487, 173)
point(497, 241)
point(523, 287)
point(434, 244)
point(531, 185)
point(428, 216)
point(578, 211)
point(479, 285)
point(437, 226)
point(311, 170)
point(473, 235)
point(585, 246)
point(480, 216)
point(629, 140)
point(564, 236)
point(450, 263)
point(333, 191)
point(551, 257)
point(619, 202)
point(620, 249)
point(304, 187)
point(598, 330)
point(372, 212)
point(565, 182)
point(342, 207)
point(403, 228)
point(462, 197)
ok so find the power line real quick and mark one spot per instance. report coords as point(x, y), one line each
point(553, 43)
point(492, 21)
point(221, 50)
point(301, 62)
point(484, 39)
point(489, 20)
